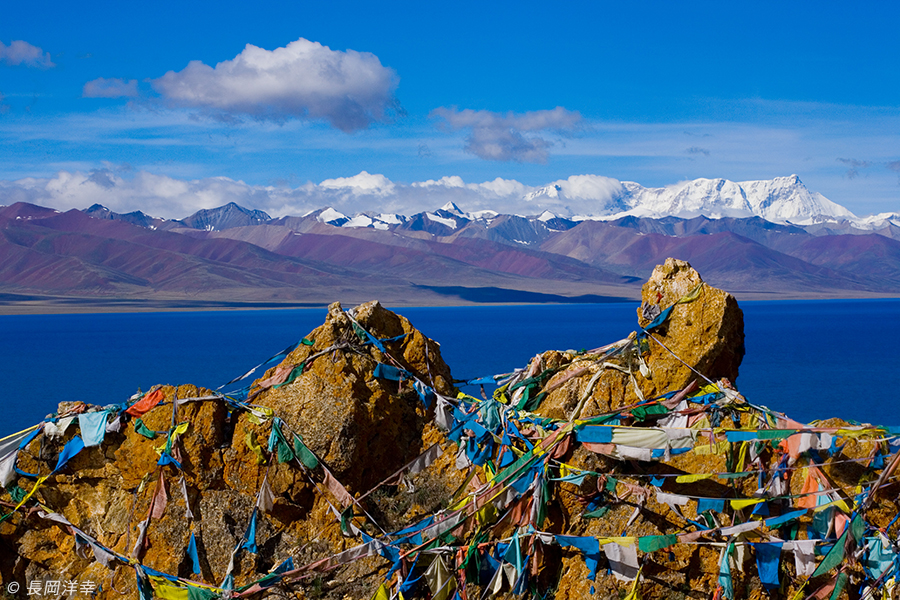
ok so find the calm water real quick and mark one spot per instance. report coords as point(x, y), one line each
point(809, 359)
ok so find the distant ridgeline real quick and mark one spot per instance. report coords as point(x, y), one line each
point(776, 240)
point(354, 468)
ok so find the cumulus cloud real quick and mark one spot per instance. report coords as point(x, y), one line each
point(363, 183)
point(304, 80)
point(22, 53)
point(123, 190)
point(110, 88)
point(591, 187)
point(502, 137)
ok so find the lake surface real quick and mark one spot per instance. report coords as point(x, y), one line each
point(810, 359)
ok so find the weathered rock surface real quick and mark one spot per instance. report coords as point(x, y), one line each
point(706, 333)
point(364, 428)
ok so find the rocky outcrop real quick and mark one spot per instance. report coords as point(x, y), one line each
point(363, 428)
point(358, 433)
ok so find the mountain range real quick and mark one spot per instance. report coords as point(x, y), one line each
point(761, 239)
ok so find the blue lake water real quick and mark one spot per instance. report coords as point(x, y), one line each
point(810, 359)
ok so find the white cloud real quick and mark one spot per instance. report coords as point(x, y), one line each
point(496, 136)
point(504, 187)
point(590, 187)
point(363, 183)
point(452, 181)
point(122, 190)
point(110, 88)
point(22, 53)
point(304, 80)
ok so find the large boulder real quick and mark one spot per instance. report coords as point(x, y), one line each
point(361, 427)
point(364, 428)
point(702, 340)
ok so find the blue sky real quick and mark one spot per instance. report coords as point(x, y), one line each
point(653, 92)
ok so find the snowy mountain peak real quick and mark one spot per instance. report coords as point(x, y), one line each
point(710, 197)
point(331, 216)
point(453, 209)
point(786, 199)
point(549, 191)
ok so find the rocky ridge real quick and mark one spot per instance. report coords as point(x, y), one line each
point(354, 468)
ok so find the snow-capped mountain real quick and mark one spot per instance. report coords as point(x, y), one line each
point(783, 200)
point(714, 198)
point(786, 199)
point(779, 200)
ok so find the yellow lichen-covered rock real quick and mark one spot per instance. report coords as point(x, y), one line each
point(706, 332)
point(363, 428)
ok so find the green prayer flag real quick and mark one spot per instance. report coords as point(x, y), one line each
point(834, 556)
point(15, 492)
point(642, 412)
point(143, 429)
point(307, 342)
point(304, 454)
point(839, 585)
point(294, 374)
point(775, 434)
point(360, 332)
point(536, 380)
point(857, 527)
point(278, 444)
point(346, 517)
point(533, 403)
point(597, 513)
point(652, 543)
point(725, 573)
point(737, 475)
point(197, 593)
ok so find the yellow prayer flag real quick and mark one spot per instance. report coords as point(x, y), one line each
point(166, 591)
point(745, 502)
point(692, 477)
point(251, 442)
point(381, 593)
point(839, 503)
point(37, 484)
point(691, 296)
point(635, 593)
point(704, 448)
point(742, 456)
point(622, 541)
point(486, 515)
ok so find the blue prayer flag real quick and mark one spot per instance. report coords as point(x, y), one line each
point(250, 535)
point(75, 445)
point(767, 558)
point(192, 552)
point(594, 434)
point(93, 427)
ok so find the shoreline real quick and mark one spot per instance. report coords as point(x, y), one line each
point(44, 305)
